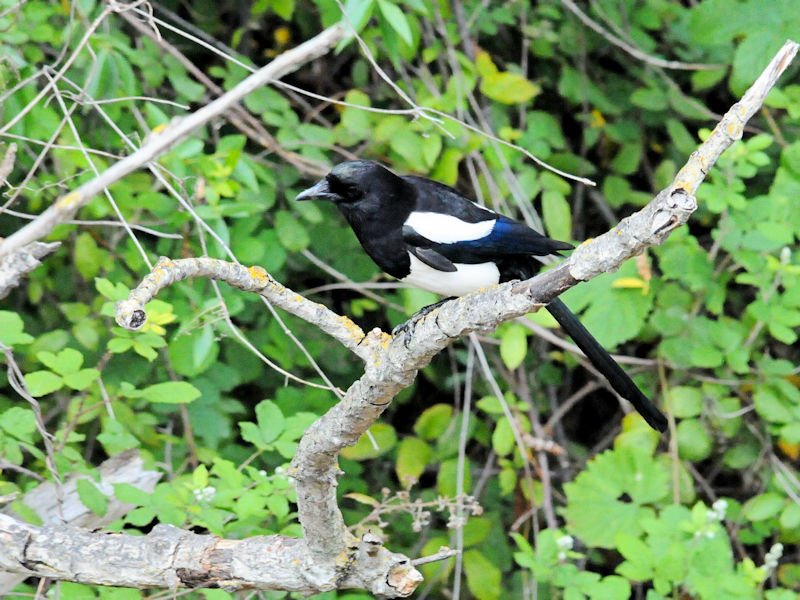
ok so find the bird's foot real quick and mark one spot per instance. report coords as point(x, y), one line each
point(408, 326)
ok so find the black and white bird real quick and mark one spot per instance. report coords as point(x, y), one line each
point(428, 235)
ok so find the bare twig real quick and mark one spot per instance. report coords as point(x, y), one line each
point(633, 50)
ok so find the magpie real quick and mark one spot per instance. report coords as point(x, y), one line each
point(426, 234)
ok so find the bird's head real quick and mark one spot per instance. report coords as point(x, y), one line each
point(348, 182)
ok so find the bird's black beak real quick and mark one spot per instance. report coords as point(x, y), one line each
point(320, 191)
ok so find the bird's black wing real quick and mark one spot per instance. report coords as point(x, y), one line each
point(502, 238)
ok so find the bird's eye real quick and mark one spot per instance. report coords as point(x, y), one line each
point(351, 192)
point(348, 191)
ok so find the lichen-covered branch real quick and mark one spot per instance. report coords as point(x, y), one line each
point(16, 265)
point(57, 508)
point(170, 558)
point(131, 315)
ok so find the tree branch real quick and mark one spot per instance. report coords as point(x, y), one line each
point(126, 467)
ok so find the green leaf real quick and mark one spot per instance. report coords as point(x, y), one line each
point(508, 88)
point(413, 455)
point(385, 438)
point(649, 98)
point(433, 421)
point(41, 383)
point(446, 481)
point(615, 315)
point(770, 406)
point(91, 497)
point(685, 402)
point(119, 345)
point(89, 257)
point(617, 484)
point(396, 20)
point(278, 505)
point(26, 512)
point(476, 530)
point(483, 576)
point(694, 440)
point(513, 346)
point(18, 422)
point(130, 494)
point(11, 329)
point(194, 352)
point(611, 587)
point(171, 392)
point(291, 232)
point(270, 420)
point(503, 437)
point(358, 13)
point(556, 215)
point(82, 379)
point(115, 438)
point(790, 517)
point(639, 557)
point(763, 506)
point(65, 362)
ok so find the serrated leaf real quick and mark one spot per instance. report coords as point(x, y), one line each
point(618, 484)
point(252, 434)
point(171, 392)
point(41, 383)
point(119, 345)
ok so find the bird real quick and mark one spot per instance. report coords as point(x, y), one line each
point(428, 235)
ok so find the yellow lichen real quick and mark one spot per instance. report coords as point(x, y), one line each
point(68, 200)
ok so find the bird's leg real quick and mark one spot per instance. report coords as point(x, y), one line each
point(425, 310)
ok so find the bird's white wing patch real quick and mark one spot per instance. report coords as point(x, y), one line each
point(465, 279)
point(446, 229)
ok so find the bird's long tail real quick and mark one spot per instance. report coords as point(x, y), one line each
point(603, 362)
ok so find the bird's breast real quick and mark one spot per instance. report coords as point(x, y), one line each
point(465, 279)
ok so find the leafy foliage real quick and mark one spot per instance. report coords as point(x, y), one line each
point(716, 309)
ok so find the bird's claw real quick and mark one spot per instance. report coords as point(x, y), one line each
point(407, 327)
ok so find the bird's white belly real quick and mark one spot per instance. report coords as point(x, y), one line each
point(466, 279)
